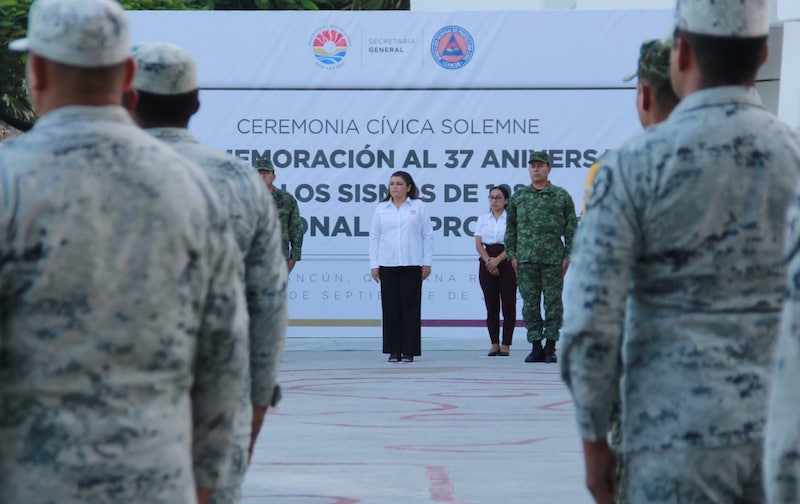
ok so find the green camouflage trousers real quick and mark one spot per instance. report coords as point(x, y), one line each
point(535, 280)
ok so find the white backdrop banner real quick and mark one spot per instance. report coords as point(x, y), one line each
point(339, 101)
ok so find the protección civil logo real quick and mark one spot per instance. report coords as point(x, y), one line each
point(330, 45)
point(452, 47)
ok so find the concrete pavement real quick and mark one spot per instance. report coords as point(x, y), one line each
point(453, 427)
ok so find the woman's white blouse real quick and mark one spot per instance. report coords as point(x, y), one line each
point(491, 230)
point(400, 236)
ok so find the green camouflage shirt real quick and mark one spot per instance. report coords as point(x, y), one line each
point(291, 225)
point(536, 223)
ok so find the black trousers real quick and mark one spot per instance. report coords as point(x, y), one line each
point(499, 291)
point(401, 301)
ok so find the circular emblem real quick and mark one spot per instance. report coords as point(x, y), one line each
point(330, 46)
point(452, 47)
point(600, 187)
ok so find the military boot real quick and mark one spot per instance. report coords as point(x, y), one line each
point(550, 352)
point(537, 355)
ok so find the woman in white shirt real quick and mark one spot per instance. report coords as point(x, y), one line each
point(400, 250)
point(497, 278)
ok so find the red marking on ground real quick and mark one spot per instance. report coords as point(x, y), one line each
point(440, 488)
point(554, 406)
point(336, 499)
point(444, 449)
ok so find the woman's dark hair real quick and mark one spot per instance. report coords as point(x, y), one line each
point(503, 188)
point(413, 192)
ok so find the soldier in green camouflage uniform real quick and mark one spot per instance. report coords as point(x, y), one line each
point(288, 213)
point(540, 224)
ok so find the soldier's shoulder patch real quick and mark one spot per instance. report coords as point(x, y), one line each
point(601, 185)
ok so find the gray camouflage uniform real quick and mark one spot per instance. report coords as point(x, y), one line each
point(686, 222)
point(253, 217)
point(123, 325)
point(782, 444)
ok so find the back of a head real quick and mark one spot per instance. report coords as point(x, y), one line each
point(166, 80)
point(728, 37)
point(654, 70)
point(83, 46)
point(80, 33)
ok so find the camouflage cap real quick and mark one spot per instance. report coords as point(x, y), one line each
point(540, 156)
point(264, 164)
point(723, 18)
point(653, 61)
point(82, 33)
point(164, 69)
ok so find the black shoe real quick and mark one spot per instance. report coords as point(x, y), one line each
point(537, 355)
point(408, 358)
point(394, 357)
point(550, 352)
point(493, 352)
point(501, 353)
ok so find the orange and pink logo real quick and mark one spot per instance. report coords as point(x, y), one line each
point(330, 46)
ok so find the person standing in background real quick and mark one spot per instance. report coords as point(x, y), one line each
point(123, 335)
point(540, 224)
point(288, 214)
point(400, 253)
point(495, 274)
point(679, 268)
point(166, 97)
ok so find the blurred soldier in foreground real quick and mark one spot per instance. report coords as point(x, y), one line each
point(166, 96)
point(123, 333)
point(655, 99)
point(782, 443)
point(685, 222)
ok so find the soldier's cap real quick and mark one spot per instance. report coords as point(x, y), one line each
point(540, 156)
point(82, 33)
point(724, 18)
point(164, 69)
point(653, 61)
point(264, 165)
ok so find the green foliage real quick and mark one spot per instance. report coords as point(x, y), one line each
point(14, 103)
point(315, 4)
point(381, 4)
point(168, 4)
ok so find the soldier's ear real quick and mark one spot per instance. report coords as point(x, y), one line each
point(36, 72)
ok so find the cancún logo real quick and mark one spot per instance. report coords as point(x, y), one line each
point(330, 45)
point(452, 47)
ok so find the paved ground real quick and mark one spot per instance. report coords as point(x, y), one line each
point(453, 427)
